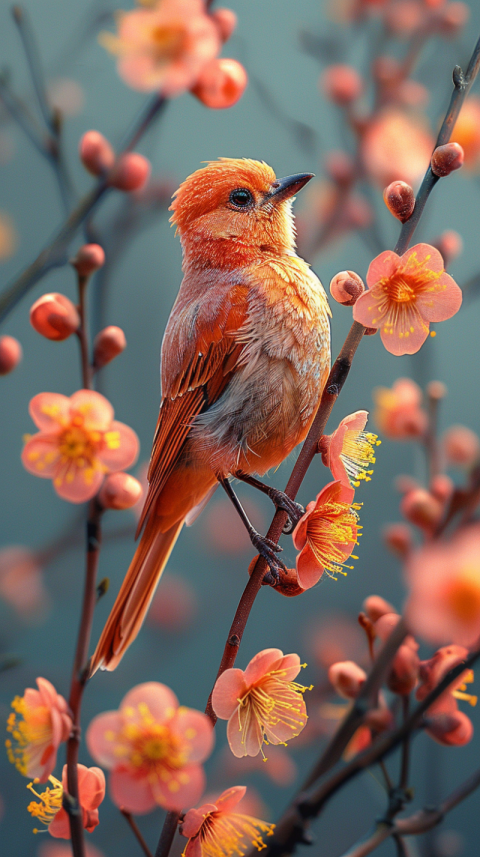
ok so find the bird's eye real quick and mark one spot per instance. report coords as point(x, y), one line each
point(241, 197)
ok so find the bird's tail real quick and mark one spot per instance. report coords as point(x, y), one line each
point(135, 595)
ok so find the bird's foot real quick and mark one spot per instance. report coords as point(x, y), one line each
point(268, 549)
point(294, 510)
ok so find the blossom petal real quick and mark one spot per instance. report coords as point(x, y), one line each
point(196, 731)
point(41, 455)
point(158, 698)
point(102, 737)
point(420, 255)
point(183, 788)
point(290, 665)
point(194, 819)
point(132, 792)
point(77, 484)
point(244, 742)
point(229, 798)
point(229, 688)
point(96, 410)
point(382, 266)
point(120, 447)
point(441, 300)
point(49, 411)
point(59, 827)
point(261, 664)
point(407, 337)
point(91, 786)
point(309, 571)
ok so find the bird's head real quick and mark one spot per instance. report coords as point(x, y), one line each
point(238, 206)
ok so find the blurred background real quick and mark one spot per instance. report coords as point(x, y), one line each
point(285, 119)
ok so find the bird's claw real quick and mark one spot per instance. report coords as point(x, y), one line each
point(268, 549)
point(294, 510)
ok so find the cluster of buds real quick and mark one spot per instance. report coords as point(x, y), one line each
point(128, 172)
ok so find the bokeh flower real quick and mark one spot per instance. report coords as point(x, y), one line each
point(446, 723)
point(350, 451)
point(406, 293)
point(49, 810)
point(444, 581)
point(78, 442)
point(461, 446)
point(466, 131)
point(21, 583)
point(58, 849)
point(153, 749)
point(164, 47)
point(396, 146)
point(215, 830)
point(263, 704)
point(39, 722)
point(11, 353)
point(221, 83)
point(326, 535)
point(398, 413)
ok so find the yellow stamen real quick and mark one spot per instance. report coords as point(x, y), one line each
point(358, 455)
point(50, 802)
point(333, 525)
point(226, 834)
point(31, 732)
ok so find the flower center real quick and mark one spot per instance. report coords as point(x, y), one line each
point(332, 531)
point(50, 802)
point(226, 834)
point(272, 702)
point(463, 595)
point(150, 747)
point(168, 42)
point(31, 732)
point(460, 692)
point(399, 290)
point(358, 454)
point(78, 445)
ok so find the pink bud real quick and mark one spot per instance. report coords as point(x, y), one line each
point(120, 491)
point(450, 245)
point(347, 678)
point(221, 83)
point(10, 354)
point(226, 21)
point(341, 84)
point(54, 316)
point(96, 153)
point(404, 672)
point(422, 509)
point(384, 626)
point(375, 606)
point(340, 168)
point(398, 538)
point(412, 94)
point(400, 200)
point(447, 158)
point(461, 446)
point(108, 344)
point(442, 487)
point(401, 19)
point(452, 19)
point(386, 70)
point(130, 172)
point(346, 287)
point(451, 729)
point(436, 390)
point(379, 719)
point(89, 259)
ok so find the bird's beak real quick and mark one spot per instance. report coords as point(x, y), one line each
point(285, 188)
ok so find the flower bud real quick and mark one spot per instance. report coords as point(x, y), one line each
point(404, 672)
point(375, 606)
point(221, 83)
point(347, 678)
point(386, 70)
point(288, 584)
point(108, 344)
point(119, 491)
point(400, 200)
point(451, 729)
point(96, 153)
point(346, 287)
point(89, 259)
point(386, 624)
point(398, 539)
point(442, 487)
point(446, 159)
point(10, 354)
point(452, 19)
point(461, 446)
point(226, 21)
point(450, 245)
point(341, 84)
point(340, 167)
point(54, 316)
point(379, 719)
point(422, 509)
point(130, 172)
point(436, 390)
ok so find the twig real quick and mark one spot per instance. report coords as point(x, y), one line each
point(33, 60)
point(462, 84)
point(419, 822)
point(56, 253)
point(82, 333)
point(168, 832)
point(134, 826)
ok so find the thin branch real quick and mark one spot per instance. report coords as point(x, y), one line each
point(168, 832)
point(136, 832)
point(82, 333)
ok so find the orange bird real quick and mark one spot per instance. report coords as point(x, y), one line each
point(245, 357)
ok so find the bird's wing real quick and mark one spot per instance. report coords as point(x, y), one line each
point(201, 349)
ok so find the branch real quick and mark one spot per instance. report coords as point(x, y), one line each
point(136, 832)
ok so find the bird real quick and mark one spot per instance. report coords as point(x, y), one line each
point(244, 360)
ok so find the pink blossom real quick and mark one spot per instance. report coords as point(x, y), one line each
point(78, 442)
point(350, 451)
point(21, 583)
point(49, 809)
point(164, 47)
point(326, 535)
point(396, 146)
point(58, 849)
point(153, 749)
point(215, 823)
point(398, 413)
point(406, 293)
point(262, 703)
point(444, 581)
point(39, 723)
